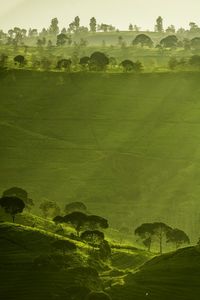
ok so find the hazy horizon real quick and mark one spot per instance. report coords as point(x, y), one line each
point(37, 14)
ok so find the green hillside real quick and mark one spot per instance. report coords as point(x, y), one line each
point(125, 144)
point(171, 276)
point(31, 267)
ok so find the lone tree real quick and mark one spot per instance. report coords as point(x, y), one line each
point(77, 23)
point(77, 220)
point(20, 60)
point(98, 296)
point(143, 40)
point(171, 41)
point(159, 24)
point(129, 65)
point(160, 232)
point(98, 61)
point(93, 25)
point(145, 232)
point(177, 237)
point(21, 194)
point(54, 29)
point(84, 61)
point(75, 206)
point(12, 206)
point(150, 231)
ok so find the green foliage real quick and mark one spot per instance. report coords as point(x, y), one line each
point(94, 237)
point(148, 231)
point(77, 220)
point(49, 208)
point(143, 40)
point(20, 60)
point(177, 237)
point(93, 25)
point(129, 65)
point(21, 194)
point(170, 41)
point(54, 29)
point(159, 24)
point(12, 206)
point(98, 61)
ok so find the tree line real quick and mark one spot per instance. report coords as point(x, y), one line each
point(88, 227)
point(98, 61)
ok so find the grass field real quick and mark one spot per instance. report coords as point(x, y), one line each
point(125, 144)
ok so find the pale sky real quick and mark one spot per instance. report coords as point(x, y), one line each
point(120, 13)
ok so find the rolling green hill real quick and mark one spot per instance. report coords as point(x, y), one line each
point(31, 267)
point(125, 144)
point(170, 276)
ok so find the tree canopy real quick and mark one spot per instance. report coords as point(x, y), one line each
point(12, 205)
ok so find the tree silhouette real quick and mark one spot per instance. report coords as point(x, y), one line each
point(12, 206)
point(61, 39)
point(84, 61)
point(159, 24)
point(143, 40)
point(21, 194)
point(98, 61)
point(54, 29)
point(170, 41)
point(96, 222)
point(93, 25)
point(20, 60)
point(148, 231)
point(77, 220)
point(177, 237)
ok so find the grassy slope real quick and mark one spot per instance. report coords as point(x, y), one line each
point(124, 144)
point(22, 276)
point(171, 276)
